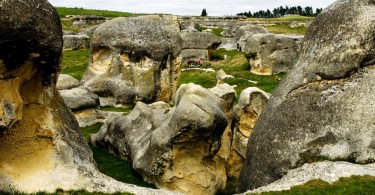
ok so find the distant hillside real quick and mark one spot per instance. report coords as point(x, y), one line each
point(63, 11)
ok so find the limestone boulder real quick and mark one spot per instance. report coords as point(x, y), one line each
point(66, 81)
point(79, 99)
point(139, 55)
point(173, 147)
point(324, 106)
point(228, 44)
point(188, 26)
point(272, 53)
point(72, 42)
point(251, 103)
point(189, 55)
point(199, 40)
point(243, 33)
point(88, 31)
point(41, 146)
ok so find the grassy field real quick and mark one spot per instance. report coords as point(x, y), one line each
point(235, 65)
point(286, 29)
point(63, 11)
point(352, 185)
point(111, 165)
point(75, 62)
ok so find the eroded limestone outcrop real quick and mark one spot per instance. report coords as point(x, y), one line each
point(72, 42)
point(250, 105)
point(272, 53)
point(325, 105)
point(135, 59)
point(41, 147)
point(243, 33)
point(173, 147)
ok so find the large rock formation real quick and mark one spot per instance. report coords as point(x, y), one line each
point(135, 59)
point(199, 40)
point(41, 147)
point(72, 42)
point(325, 105)
point(175, 148)
point(250, 105)
point(243, 33)
point(195, 45)
point(272, 53)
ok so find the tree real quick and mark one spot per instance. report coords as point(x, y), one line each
point(204, 13)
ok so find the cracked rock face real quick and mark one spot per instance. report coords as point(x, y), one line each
point(325, 105)
point(272, 53)
point(178, 148)
point(135, 59)
point(41, 147)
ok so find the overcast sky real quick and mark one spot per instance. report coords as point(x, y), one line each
point(188, 7)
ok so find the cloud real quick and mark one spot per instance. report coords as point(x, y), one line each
point(188, 7)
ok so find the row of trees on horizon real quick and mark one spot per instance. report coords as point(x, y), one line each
point(282, 11)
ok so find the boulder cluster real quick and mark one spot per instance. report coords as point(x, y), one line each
point(186, 139)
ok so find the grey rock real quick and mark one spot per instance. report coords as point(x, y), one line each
point(67, 32)
point(324, 105)
point(82, 21)
point(199, 40)
point(88, 31)
point(112, 90)
point(140, 55)
point(272, 53)
point(192, 54)
point(327, 171)
point(228, 44)
point(72, 42)
point(243, 33)
point(66, 81)
point(79, 99)
point(161, 141)
point(188, 26)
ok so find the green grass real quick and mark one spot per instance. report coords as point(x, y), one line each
point(235, 65)
point(63, 11)
point(352, 185)
point(286, 29)
point(111, 165)
point(75, 62)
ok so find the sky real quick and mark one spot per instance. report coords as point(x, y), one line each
point(188, 7)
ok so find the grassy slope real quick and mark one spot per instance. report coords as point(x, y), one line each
point(75, 62)
point(63, 11)
point(352, 185)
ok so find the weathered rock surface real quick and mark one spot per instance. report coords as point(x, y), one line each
point(243, 33)
point(82, 21)
point(88, 31)
point(200, 40)
point(79, 99)
point(135, 59)
point(176, 148)
point(324, 107)
point(187, 27)
point(272, 53)
point(41, 147)
point(250, 105)
point(192, 54)
point(327, 171)
point(228, 44)
point(66, 81)
point(72, 42)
